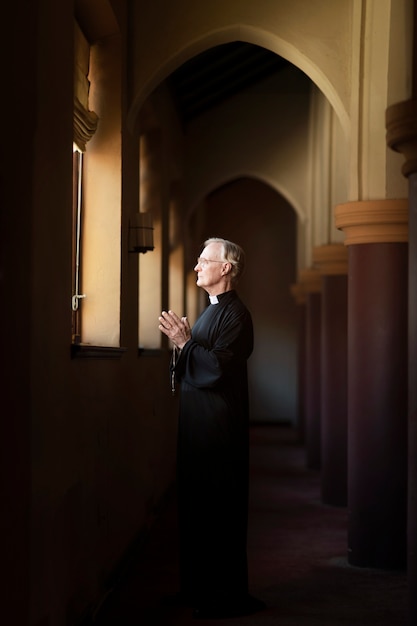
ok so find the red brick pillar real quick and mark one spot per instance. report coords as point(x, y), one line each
point(332, 262)
point(311, 282)
point(401, 123)
point(376, 234)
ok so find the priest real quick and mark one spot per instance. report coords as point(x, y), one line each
point(209, 365)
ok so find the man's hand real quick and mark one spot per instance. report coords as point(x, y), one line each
point(176, 328)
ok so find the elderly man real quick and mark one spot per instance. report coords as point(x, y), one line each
point(210, 365)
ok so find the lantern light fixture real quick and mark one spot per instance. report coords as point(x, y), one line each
point(141, 233)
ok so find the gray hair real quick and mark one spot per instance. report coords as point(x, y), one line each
point(233, 254)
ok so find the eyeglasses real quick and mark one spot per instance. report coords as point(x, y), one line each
point(202, 262)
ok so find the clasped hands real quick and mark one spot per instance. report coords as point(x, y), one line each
point(176, 328)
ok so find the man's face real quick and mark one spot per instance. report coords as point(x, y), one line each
point(210, 267)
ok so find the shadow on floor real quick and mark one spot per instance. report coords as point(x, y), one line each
point(297, 556)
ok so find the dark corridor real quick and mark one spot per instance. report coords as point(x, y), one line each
point(297, 556)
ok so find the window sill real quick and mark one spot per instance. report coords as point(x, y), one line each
point(145, 352)
point(83, 351)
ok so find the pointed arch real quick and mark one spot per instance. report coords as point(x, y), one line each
point(279, 187)
point(250, 34)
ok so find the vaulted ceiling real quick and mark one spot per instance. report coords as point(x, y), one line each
point(218, 74)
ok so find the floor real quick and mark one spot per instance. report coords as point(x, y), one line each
point(297, 556)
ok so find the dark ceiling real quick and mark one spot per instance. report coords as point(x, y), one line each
point(219, 73)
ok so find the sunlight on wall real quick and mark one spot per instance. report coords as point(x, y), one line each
point(150, 264)
point(176, 251)
point(192, 298)
point(176, 291)
point(102, 200)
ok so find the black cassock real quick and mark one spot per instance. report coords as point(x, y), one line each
point(213, 453)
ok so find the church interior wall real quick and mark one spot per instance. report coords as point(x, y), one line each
point(84, 438)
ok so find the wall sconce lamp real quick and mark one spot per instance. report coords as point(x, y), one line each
point(141, 233)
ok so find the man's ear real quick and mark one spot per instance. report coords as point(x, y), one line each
point(227, 268)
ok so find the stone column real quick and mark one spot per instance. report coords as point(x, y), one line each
point(299, 295)
point(401, 123)
point(332, 262)
point(311, 282)
point(376, 234)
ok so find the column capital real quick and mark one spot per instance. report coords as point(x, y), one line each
point(373, 221)
point(331, 259)
point(310, 279)
point(401, 136)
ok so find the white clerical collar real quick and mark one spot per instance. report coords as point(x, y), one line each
point(214, 300)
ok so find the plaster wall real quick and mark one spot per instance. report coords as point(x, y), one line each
point(292, 140)
point(84, 439)
point(384, 77)
point(90, 445)
point(356, 52)
point(100, 281)
point(264, 224)
point(315, 36)
point(262, 133)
